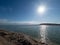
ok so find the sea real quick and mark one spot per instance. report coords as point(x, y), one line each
point(49, 34)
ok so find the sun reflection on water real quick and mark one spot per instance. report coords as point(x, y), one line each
point(43, 33)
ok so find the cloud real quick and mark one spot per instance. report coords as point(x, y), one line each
point(23, 22)
point(5, 21)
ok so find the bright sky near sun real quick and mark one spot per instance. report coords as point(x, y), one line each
point(41, 9)
point(30, 11)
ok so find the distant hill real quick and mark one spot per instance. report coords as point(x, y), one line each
point(49, 24)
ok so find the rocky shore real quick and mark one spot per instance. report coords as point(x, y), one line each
point(14, 38)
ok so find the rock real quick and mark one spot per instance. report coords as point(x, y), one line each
point(13, 38)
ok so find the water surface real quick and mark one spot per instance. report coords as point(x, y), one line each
point(45, 33)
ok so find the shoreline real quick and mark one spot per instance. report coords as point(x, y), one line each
point(14, 38)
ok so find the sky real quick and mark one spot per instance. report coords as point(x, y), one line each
point(25, 11)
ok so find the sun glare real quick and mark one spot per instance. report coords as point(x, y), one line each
point(41, 9)
point(43, 33)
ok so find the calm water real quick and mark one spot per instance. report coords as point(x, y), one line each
point(46, 33)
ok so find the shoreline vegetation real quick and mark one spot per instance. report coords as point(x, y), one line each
point(14, 38)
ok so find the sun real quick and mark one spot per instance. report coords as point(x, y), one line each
point(41, 9)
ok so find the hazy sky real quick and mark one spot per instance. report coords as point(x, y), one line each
point(26, 11)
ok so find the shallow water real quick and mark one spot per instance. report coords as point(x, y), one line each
point(46, 33)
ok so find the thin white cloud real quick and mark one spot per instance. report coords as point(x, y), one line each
point(23, 22)
point(5, 21)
